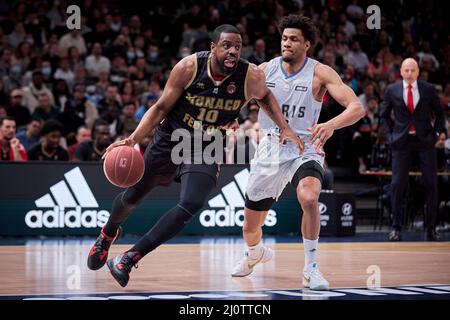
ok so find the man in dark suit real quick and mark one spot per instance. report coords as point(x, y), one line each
point(412, 134)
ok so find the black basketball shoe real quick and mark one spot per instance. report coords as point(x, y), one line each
point(99, 251)
point(121, 265)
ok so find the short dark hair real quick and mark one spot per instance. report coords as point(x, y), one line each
point(9, 118)
point(36, 119)
point(97, 124)
point(128, 102)
point(52, 125)
point(36, 73)
point(304, 24)
point(100, 122)
point(224, 28)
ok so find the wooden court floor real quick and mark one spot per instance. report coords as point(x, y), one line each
point(60, 268)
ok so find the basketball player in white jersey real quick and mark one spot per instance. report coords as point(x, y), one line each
point(298, 84)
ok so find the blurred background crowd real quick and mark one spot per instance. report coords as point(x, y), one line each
point(66, 95)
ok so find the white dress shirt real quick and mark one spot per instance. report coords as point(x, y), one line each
point(415, 92)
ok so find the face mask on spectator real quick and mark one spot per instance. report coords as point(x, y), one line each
point(47, 71)
point(16, 69)
point(131, 55)
point(116, 26)
point(152, 55)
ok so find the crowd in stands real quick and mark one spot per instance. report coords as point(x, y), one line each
point(67, 94)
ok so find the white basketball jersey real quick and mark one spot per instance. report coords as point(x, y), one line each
point(294, 95)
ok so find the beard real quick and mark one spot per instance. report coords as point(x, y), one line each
point(225, 70)
point(287, 59)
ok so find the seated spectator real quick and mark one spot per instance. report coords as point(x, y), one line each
point(155, 88)
point(32, 92)
point(247, 48)
point(72, 39)
point(112, 117)
point(45, 109)
point(92, 150)
point(378, 69)
point(112, 98)
point(10, 146)
point(79, 74)
point(127, 121)
point(64, 72)
point(357, 58)
point(368, 92)
point(149, 101)
point(141, 70)
point(21, 56)
point(78, 111)
point(118, 69)
point(350, 78)
point(74, 58)
point(49, 148)
point(47, 72)
point(427, 54)
point(61, 93)
point(96, 62)
point(155, 61)
point(83, 134)
point(259, 55)
point(127, 91)
point(365, 135)
point(103, 82)
point(354, 10)
point(30, 136)
point(16, 110)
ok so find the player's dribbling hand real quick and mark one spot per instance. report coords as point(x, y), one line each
point(290, 135)
point(320, 134)
point(125, 142)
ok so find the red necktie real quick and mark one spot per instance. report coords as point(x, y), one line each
point(410, 104)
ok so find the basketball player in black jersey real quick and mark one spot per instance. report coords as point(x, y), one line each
point(204, 91)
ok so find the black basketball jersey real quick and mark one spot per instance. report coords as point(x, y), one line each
point(206, 105)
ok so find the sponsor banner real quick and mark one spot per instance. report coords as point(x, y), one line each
point(75, 199)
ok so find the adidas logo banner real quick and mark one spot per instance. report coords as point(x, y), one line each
point(69, 204)
point(61, 199)
point(227, 207)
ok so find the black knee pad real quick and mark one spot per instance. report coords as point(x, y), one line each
point(261, 205)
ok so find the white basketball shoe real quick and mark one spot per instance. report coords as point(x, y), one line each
point(313, 278)
point(246, 265)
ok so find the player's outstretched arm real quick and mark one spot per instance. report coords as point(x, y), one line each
point(345, 96)
point(257, 89)
point(179, 78)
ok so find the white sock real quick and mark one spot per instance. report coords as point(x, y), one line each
point(310, 251)
point(254, 252)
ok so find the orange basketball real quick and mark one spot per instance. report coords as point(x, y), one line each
point(124, 166)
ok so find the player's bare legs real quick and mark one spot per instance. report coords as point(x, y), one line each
point(308, 191)
point(255, 252)
point(252, 229)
